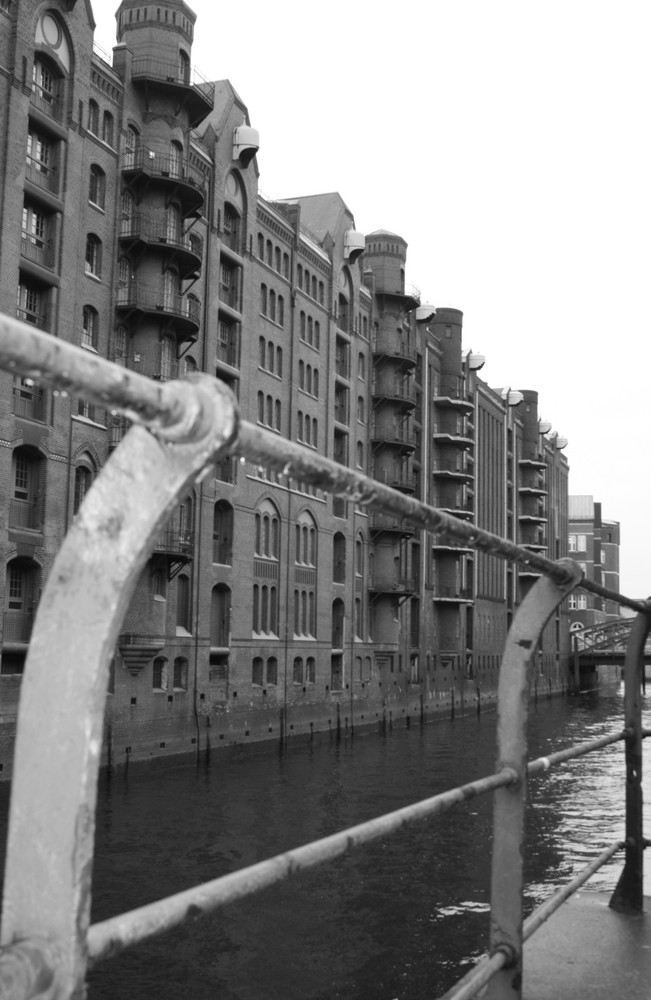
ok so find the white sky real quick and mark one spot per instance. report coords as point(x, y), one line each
point(507, 142)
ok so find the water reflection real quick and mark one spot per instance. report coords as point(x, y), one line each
point(395, 920)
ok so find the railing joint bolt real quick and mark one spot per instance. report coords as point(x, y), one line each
point(509, 952)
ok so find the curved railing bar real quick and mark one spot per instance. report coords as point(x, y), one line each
point(509, 803)
point(168, 409)
point(52, 815)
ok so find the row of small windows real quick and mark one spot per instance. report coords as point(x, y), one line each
point(309, 330)
point(305, 613)
point(266, 540)
point(272, 306)
point(108, 124)
point(269, 411)
point(308, 379)
point(265, 609)
point(271, 357)
point(307, 429)
point(310, 284)
point(262, 673)
point(306, 543)
point(134, 15)
point(161, 674)
point(28, 492)
point(273, 256)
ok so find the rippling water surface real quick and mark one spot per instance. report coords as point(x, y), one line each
point(395, 920)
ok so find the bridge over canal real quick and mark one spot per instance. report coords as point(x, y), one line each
point(603, 645)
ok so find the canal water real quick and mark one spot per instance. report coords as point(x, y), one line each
point(398, 919)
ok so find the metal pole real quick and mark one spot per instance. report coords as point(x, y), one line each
point(508, 815)
point(628, 894)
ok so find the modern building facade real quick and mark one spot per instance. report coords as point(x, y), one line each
point(131, 225)
point(594, 543)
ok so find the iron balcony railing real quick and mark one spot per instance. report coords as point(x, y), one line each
point(42, 175)
point(201, 92)
point(38, 250)
point(17, 626)
point(137, 295)
point(46, 102)
point(181, 429)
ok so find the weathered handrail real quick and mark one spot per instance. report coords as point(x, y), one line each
point(184, 428)
point(170, 411)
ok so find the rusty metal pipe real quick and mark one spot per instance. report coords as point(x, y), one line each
point(171, 411)
point(546, 909)
point(541, 764)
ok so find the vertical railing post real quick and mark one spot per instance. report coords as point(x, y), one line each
point(628, 896)
point(47, 890)
point(508, 815)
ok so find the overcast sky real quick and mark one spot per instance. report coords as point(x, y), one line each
point(507, 142)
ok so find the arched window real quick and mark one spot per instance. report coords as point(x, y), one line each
point(286, 265)
point(159, 678)
point(315, 382)
point(222, 533)
point(89, 327)
point(97, 186)
point(180, 674)
point(93, 117)
point(338, 558)
point(298, 670)
point(172, 224)
point(277, 258)
point(270, 253)
point(279, 362)
point(361, 366)
point(272, 305)
point(131, 145)
point(22, 587)
point(359, 556)
point(361, 409)
point(263, 299)
point(220, 616)
point(93, 255)
point(231, 232)
point(176, 159)
point(281, 311)
point(107, 128)
point(260, 246)
point(184, 66)
point(83, 480)
point(267, 531)
point(27, 496)
point(46, 88)
point(301, 375)
point(257, 671)
point(338, 624)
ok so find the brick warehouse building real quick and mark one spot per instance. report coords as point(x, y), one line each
point(131, 225)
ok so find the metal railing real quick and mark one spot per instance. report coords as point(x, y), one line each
point(181, 429)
